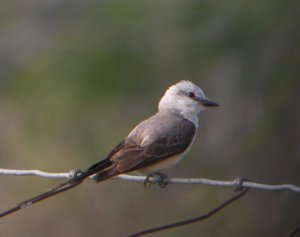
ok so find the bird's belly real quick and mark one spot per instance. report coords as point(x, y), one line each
point(164, 164)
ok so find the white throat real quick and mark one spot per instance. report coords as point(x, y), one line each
point(190, 113)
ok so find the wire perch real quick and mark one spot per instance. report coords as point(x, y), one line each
point(239, 185)
point(132, 178)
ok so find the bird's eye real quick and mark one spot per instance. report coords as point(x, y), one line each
point(191, 95)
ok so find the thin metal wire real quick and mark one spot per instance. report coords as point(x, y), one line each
point(294, 232)
point(132, 178)
point(191, 220)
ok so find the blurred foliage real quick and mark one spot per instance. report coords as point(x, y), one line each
point(77, 76)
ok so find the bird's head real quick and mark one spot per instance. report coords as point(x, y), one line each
point(185, 98)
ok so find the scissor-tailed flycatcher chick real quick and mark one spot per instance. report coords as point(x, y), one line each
point(155, 144)
point(160, 141)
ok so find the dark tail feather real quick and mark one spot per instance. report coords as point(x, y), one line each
point(106, 174)
point(96, 168)
point(103, 164)
point(104, 169)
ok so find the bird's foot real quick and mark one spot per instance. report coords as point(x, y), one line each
point(159, 178)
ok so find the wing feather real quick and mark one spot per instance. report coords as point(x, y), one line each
point(157, 138)
point(164, 142)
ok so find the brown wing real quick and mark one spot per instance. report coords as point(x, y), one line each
point(152, 141)
point(166, 141)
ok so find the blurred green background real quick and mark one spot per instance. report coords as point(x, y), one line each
point(77, 76)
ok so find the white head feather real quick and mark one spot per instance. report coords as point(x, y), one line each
point(186, 99)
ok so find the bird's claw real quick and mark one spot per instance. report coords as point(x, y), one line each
point(159, 178)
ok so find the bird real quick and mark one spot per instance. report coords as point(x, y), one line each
point(155, 144)
point(160, 141)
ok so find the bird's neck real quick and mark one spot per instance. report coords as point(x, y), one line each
point(192, 118)
point(189, 116)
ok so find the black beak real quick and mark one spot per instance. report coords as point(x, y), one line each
point(209, 103)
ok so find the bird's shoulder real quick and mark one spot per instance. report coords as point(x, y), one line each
point(162, 127)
